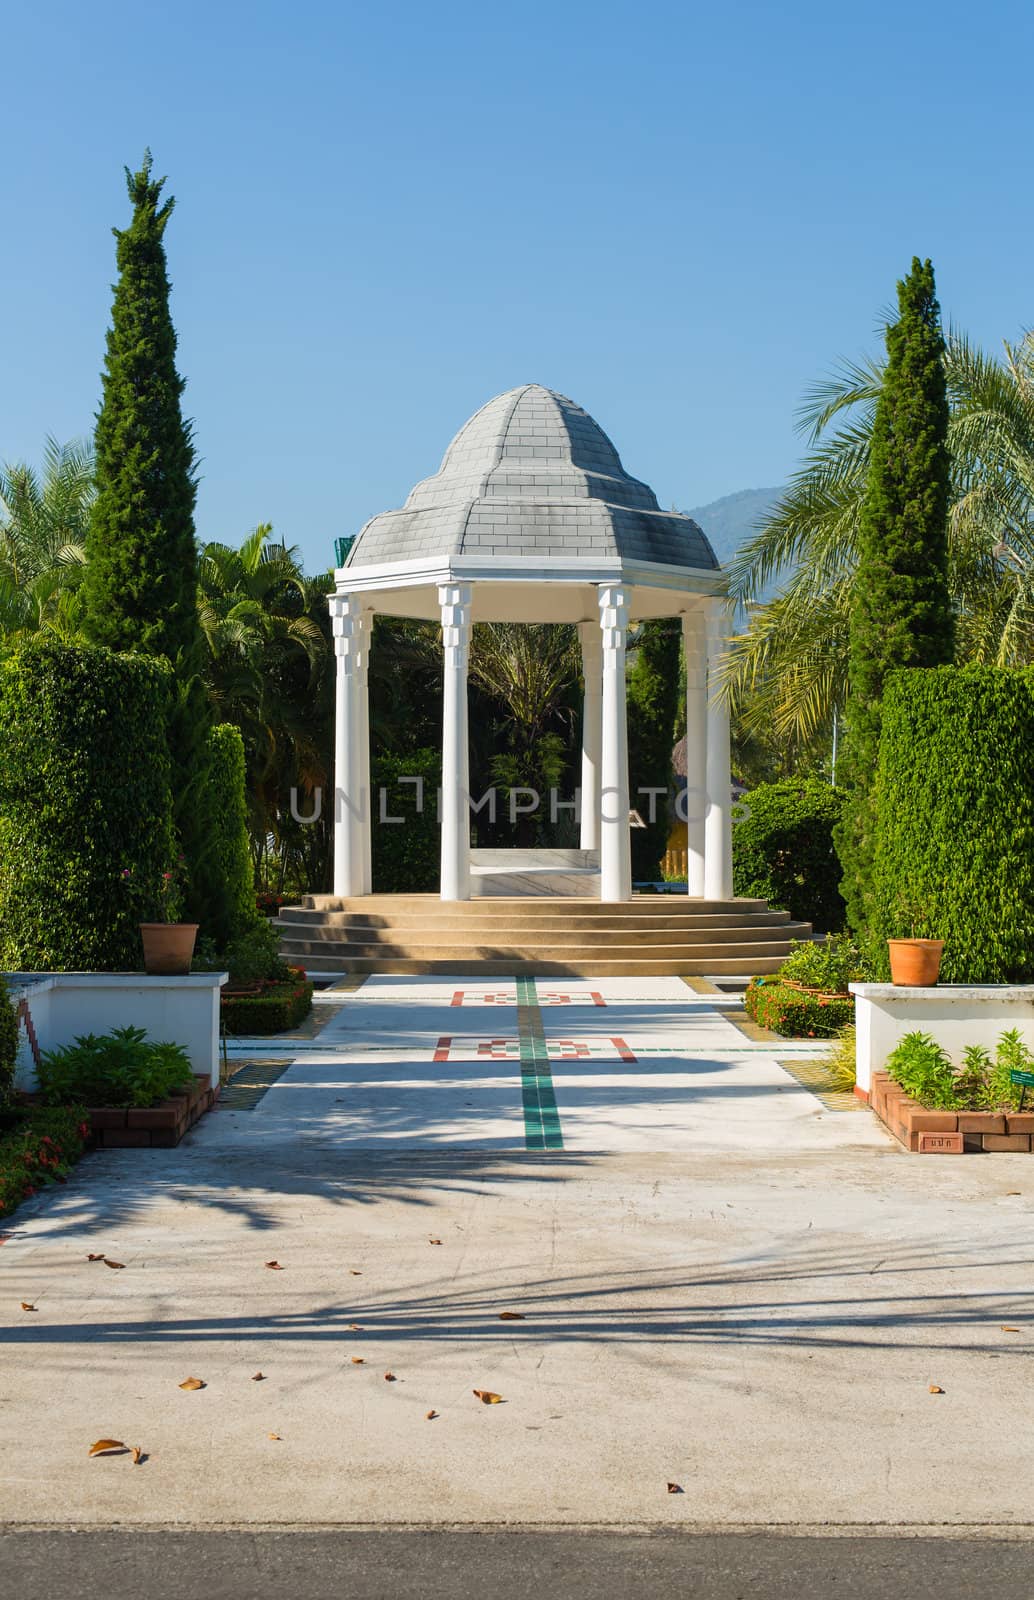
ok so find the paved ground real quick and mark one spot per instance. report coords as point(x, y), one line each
point(520, 1565)
point(723, 1285)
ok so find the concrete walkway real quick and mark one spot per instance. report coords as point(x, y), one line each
point(722, 1284)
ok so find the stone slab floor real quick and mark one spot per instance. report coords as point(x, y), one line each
point(723, 1284)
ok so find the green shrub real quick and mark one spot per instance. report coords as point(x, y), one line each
point(794, 1014)
point(782, 850)
point(39, 1150)
point(8, 1044)
point(121, 1068)
point(953, 846)
point(256, 955)
point(406, 854)
point(1011, 1055)
point(84, 799)
point(924, 1070)
point(830, 964)
point(222, 897)
point(277, 1008)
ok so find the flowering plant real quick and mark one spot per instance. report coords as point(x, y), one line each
point(167, 904)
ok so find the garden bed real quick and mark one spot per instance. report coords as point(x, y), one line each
point(925, 1131)
point(272, 1008)
point(152, 1127)
point(795, 1012)
point(40, 1148)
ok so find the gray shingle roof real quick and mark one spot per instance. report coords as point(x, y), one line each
point(531, 474)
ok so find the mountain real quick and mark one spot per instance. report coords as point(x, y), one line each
point(730, 521)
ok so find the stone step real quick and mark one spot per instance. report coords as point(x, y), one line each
point(313, 951)
point(631, 966)
point(401, 938)
point(529, 907)
point(292, 917)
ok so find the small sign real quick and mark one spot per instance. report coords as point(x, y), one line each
point(1026, 1078)
point(940, 1144)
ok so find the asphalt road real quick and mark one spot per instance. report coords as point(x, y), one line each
point(511, 1565)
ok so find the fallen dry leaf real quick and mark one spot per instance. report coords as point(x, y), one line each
point(192, 1383)
point(935, 1388)
point(512, 1316)
point(355, 1272)
point(355, 1327)
point(26, 1306)
point(434, 1241)
point(358, 1361)
point(274, 1266)
point(116, 1266)
point(675, 1488)
point(258, 1377)
point(138, 1455)
point(98, 1257)
point(274, 1436)
point(488, 1398)
point(429, 1416)
point(1006, 1328)
point(389, 1377)
point(103, 1445)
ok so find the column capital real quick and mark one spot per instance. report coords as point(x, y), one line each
point(345, 622)
point(455, 602)
point(614, 605)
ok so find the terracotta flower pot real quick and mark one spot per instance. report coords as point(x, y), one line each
point(168, 947)
point(914, 963)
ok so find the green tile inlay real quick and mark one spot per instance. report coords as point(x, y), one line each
point(541, 1117)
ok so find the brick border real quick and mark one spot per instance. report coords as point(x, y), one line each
point(158, 1127)
point(972, 1130)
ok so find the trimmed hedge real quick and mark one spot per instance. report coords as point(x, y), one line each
point(84, 796)
point(223, 877)
point(406, 854)
point(8, 1044)
point(280, 1006)
point(782, 850)
point(953, 844)
point(794, 1014)
point(39, 1150)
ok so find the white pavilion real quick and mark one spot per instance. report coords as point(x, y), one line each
point(532, 518)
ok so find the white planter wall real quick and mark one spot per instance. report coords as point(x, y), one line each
point(954, 1014)
point(64, 1005)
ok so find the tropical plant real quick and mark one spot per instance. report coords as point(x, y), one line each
point(43, 521)
point(828, 965)
point(121, 1068)
point(788, 669)
point(653, 696)
point(923, 1069)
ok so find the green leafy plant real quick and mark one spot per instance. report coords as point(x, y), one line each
point(1011, 1055)
point(828, 965)
point(782, 850)
point(39, 1150)
point(121, 1068)
point(793, 1013)
point(255, 956)
point(971, 1082)
point(842, 1058)
point(924, 1070)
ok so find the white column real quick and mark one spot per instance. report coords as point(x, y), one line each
point(592, 727)
point(694, 803)
point(454, 599)
point(365, 797)
point(347, 845)
point(615, 843)
point(718, 825)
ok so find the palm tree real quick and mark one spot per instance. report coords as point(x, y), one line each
point(787, 671)
point(43, 520)
point(266, 627)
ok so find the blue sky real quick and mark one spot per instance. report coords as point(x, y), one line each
point(677, 214)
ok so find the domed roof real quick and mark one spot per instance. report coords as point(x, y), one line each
point(532, 475)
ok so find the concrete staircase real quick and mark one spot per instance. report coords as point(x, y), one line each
point(650, 936)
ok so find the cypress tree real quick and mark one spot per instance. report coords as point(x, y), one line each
point(653, 697)
point(901, 614)
point(141, 581)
